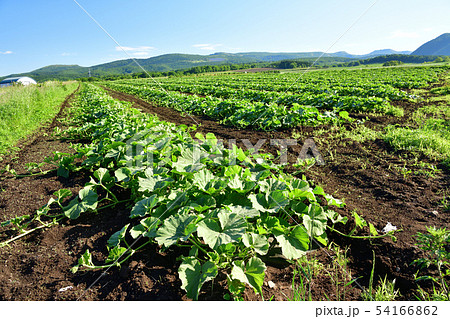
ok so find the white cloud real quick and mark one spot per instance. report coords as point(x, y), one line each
point(400, 34)
point(6, 52)
point(209, 47)
point(67, 54)
point(139, 52)
point(139, 49)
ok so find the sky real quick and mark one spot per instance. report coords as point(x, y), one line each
point(36, 33)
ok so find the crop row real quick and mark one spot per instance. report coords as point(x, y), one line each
point(226, 88)
point(261, 110)
point(271, 102)
point(322, 81)
point(236, 112)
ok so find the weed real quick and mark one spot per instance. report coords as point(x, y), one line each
point(362, 134)
point(304, 165)
point(339, 273)
point(445, 202)
point(435, 245)
point(385, 291)
point(305, 270)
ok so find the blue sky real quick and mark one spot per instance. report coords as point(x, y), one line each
point(37, 33)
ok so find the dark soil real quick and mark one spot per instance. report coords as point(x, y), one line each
point(363, 174)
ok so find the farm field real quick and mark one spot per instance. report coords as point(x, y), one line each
point(139, 177)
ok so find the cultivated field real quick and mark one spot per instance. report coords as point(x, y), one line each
point(324, 185)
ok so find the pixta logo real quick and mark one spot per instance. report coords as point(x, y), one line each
point(153, 148)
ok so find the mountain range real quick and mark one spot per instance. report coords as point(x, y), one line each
point(177, 61)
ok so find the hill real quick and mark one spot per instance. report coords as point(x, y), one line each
point(177, 61)
point(384, 52)
point(438, 46)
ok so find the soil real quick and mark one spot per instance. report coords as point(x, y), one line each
point(363, 174)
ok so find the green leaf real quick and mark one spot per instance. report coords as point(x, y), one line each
point(271, 184)
point(237, 184)
point(294, 242)
point(319, 191)
point(207, 182)
point(359, 221)
point(115, 254)
point(115, 238)
point(258, 242)
point(335, 217)
point(15, 221)
point(87, 200)
point(333, 201)
point(146, 228)
point(251, 273)
point(84, 260)
point(344, 115)
point(122, 174)
point(301, 191)
point(231, 228)
point(236, 288)
point(199, 136)
point(143, 207)
point(246, 212)
point(298, 207)
point(193, 275)
point(315, 221)
point(176, 227)
point(152, 183)
point(202, 179)
point(373, 230)
point(189, 161)
point(103, 176)
point(270, 202)
point(202, 203)
point(62, 193)
point(62, 172)
point(239, 153)
point(233, 170)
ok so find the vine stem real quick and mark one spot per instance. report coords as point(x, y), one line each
point(361, 237)
point(113, 204)
point(5, 243)
point(191, 239)
point(34, 174)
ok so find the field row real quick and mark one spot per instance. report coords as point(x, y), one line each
point(270, 102)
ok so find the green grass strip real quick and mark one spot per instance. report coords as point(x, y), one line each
point(23, 109)
point(433, 139)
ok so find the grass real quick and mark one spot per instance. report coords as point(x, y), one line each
point(23, 109)
point(431, 111)
point(385, 291)
point(304, 273)
point(445, 90)
point(309, 270)
point(432, 133)
point(362, 134)
point(434, 244)
point(432, 139)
